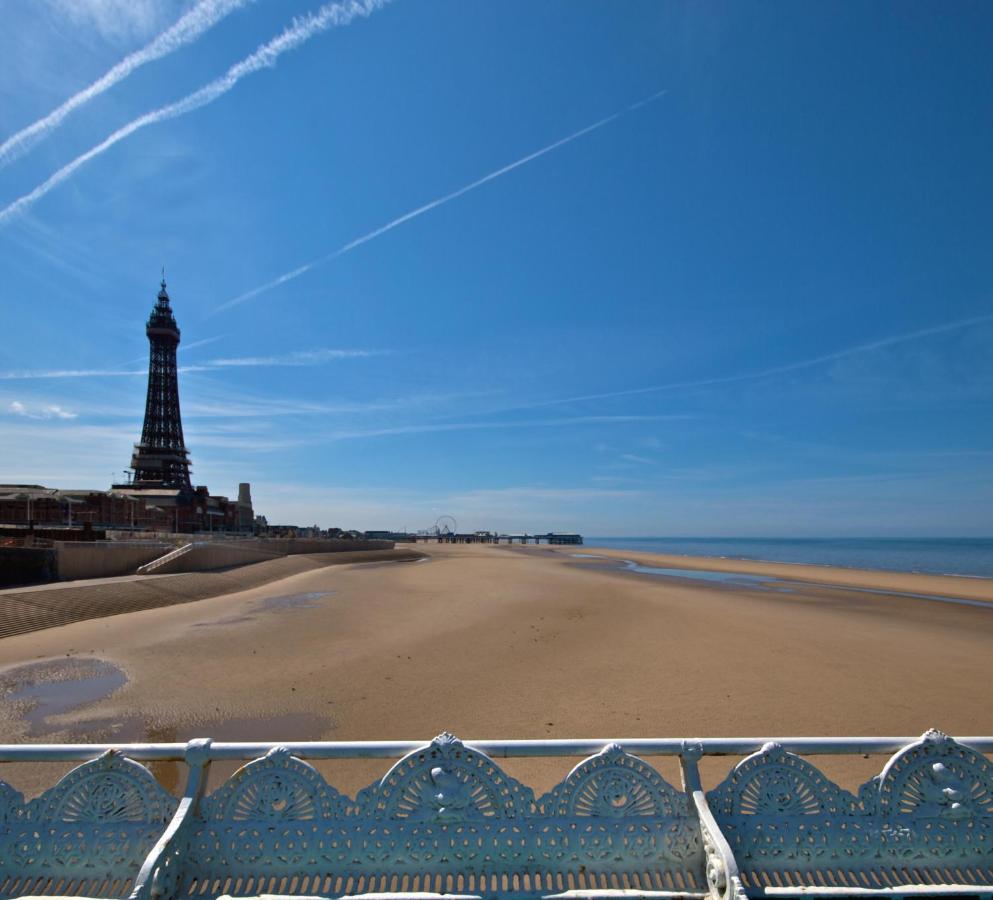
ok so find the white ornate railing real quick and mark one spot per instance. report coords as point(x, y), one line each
point(446, 820)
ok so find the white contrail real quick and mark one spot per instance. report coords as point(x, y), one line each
point(413, 214)
point(879, 344)
point(204, 16)
point(317, 357)
point(301, 29)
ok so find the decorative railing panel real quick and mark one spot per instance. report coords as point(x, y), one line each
point(443, 810)
point(446, 818)
point(928, 818)
point(94, 828)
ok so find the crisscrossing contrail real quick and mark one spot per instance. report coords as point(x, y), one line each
point(433, 204)
point(301, 29)
point(200, 19)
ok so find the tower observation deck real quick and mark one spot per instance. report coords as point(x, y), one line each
point(160, 459)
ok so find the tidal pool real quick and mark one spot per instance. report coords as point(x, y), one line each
point(55, 687)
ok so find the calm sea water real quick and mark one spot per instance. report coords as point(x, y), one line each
point(945, 556)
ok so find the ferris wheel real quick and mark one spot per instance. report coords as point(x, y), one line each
point(446, 525)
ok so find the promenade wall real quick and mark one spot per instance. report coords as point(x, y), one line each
point(26, 565)
point(105, 559)
point(210, 555)
point(322, 545)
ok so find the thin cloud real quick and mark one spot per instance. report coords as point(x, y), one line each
point(70, 373)
point(230, 403)
point(204, 16)
point(427, 207)
point(296, 358)
point(880, 344)
point(47, 411)
point(301, 30)
point(634, 458)
point(476, 426)
point(201, 343)
point(182, 348)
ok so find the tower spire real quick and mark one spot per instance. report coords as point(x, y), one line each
point(160, 458)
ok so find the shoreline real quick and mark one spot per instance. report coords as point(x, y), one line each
point(816, 574)
point(759, 559)
point(501, 643)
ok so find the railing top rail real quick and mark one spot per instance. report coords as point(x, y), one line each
point(222, 750)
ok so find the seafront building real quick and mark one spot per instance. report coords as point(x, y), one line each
point(159, 496)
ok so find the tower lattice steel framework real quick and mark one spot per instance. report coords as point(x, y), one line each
point(161, 458)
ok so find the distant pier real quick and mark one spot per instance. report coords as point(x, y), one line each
point(478, 537)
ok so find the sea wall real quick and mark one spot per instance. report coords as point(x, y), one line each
point(26, 565)
point(107, 559)
point(322, 545)
point(206, 556)
point(104, 559)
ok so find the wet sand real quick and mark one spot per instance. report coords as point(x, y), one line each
point(498, 642)
point(964, 587)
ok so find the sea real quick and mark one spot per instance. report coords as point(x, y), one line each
point(971, 557)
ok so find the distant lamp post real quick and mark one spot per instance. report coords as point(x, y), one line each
point(68, 502)
point(27, 497)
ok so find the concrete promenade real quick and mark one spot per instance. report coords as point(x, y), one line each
point(46, 606)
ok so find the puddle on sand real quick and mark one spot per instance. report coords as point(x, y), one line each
point(768, 582)
point(36, 692)
point(293, 601)
point(44, 689)
point(271, 604)
point(733, 578)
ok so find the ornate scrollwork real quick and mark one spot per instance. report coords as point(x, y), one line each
point(777, 809)
point(614, 784)
point(276, 787)
point(721, 884)
point(776, 783)
point(445, 781)
point(102, 817)
point(107, 790)
point(936, 778)
point(447, 808)
point(11, 803)
point(933, 801)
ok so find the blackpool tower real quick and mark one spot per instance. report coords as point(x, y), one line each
point(161, 459)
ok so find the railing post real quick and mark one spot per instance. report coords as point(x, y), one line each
point(723, 880)
point(161, 870)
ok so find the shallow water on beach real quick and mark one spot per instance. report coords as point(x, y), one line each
point(779, 585)
point(47, 689)
point(937, 556)
point(736, 579)
point(42, 691)
point(294, 601)
point(270, 604)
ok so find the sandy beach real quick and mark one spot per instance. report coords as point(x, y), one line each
point(513, 642)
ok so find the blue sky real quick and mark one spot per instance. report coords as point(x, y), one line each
point(757, 304)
